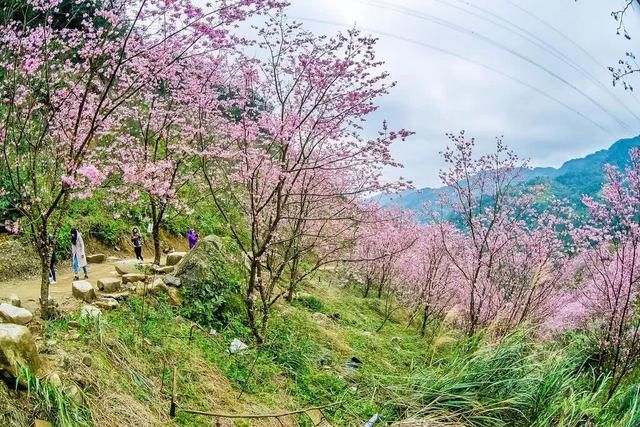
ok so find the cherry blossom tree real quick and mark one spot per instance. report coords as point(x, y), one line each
point(534, 274)
point(485, 202)
point(62, 85)
point(155, 150)
point(428, 277)
point(385, 237)
point(317, 91)
point(510, 256)
point(610, 242)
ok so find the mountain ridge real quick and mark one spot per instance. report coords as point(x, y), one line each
point(573, 179)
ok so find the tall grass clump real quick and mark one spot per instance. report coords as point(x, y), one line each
point(515, 382)
point(51, 403)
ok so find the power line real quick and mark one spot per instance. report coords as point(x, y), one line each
point(555, 30)
point(540, 43)
point(431, 18)
point(464, 58)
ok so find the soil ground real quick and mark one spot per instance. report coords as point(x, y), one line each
point(28, 290)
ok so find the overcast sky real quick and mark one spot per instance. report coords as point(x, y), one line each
point(439, 92)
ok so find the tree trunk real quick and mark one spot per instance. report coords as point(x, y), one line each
point(156, 216)
point(293, 282)
point(425, 316)
point(45, 310)
point(157, 252)
point(44, 252)
point(250, 303)
point(367, 287)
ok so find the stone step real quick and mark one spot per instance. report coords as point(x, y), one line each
point(83, 290)
point(109, 284)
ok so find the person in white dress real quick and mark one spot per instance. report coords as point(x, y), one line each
point(78, 253)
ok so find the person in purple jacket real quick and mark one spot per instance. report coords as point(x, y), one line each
point(193, 237)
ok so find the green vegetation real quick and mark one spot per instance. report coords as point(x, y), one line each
point(110, 222)
point(51, 403)
point(479, 381)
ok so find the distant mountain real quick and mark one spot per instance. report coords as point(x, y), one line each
point(571, 181)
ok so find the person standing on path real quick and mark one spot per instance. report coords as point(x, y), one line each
point(137, 240)
point(192, 237)
point(79, 255)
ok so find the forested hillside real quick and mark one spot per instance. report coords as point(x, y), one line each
point(574, 179)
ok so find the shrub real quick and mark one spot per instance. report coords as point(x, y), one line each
point(310, 302)
point(215, 300)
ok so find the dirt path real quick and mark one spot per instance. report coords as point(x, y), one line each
point(29, 290)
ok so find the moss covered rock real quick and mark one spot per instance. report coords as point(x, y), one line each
point(211, 283)
point(17, 349)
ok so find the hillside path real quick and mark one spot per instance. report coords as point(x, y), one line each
point(29, 290)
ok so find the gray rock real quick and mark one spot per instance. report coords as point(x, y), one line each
point(320, 317)
point(75, 394)
point(165, 269)
point(119, 295)
point(155, 288)
point(106, 303)
point(201, 265)
point(17, 348)
point(54, 379)
point(14, 300)
point(175, 257)
point(133, 277)
point(237, 346)
point(83, 290)
point(13, 314)
point(90, 311)
point(129, 266)
point(96, 258)
point(87, 361)
point(172, 281)
point(109, 284)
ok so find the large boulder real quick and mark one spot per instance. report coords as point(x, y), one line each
point(129, 266)
point(13, 314)
point(175, 257)
point(199, 265)
point(83, 290)
point(96, 258)
point(210, 281)
point(109, 284)
point(17, 348)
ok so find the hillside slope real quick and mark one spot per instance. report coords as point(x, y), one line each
point(123, 364)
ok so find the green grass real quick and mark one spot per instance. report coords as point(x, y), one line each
point(51, 403)
point(480, 381)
